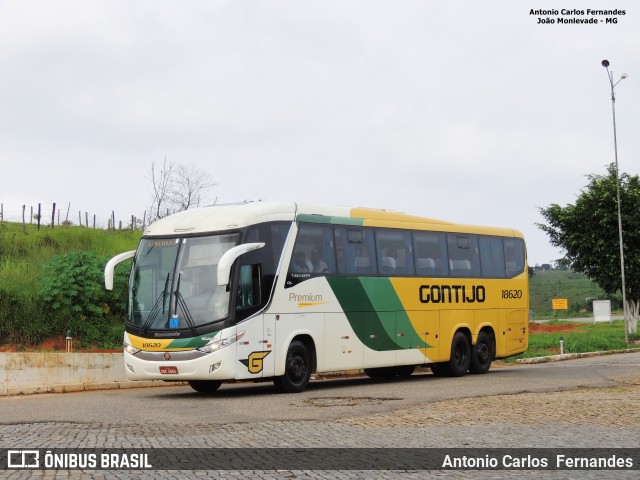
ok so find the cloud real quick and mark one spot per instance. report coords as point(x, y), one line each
point(470, 112)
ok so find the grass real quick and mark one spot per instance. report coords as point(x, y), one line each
point(578, 338)
point(24, 251)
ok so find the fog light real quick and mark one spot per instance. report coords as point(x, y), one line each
point(214, 367)
point(130, 368)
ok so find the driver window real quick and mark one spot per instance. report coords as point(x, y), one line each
point(248, 287)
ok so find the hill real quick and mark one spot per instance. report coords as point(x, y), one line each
point(547, 284)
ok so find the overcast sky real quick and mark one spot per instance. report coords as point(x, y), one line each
point(468, 111)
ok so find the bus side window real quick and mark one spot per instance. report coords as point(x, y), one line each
point(314, 250)
point(492, 257)
point(514, 256)
point(430, 250)
point(248, 287)
point(361, 244)
point(355, 250)
point(394, 252)
point(464, 255)
point(344, 262)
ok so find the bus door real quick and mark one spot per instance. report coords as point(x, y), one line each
point(255, 346)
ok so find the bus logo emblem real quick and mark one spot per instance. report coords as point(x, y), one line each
point(255, 362)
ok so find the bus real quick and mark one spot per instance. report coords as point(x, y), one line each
point(278, 291)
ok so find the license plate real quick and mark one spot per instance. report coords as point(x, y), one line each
point(169, 370)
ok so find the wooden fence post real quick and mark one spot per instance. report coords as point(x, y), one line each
point(24, 225)
point(39, 215)
point(53, 215)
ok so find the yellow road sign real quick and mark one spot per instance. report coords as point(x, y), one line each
point(560, 303)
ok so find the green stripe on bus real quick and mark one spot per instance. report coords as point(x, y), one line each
point(330, 220)
point(354, 301)
point(384, 298)
point(192, 342)
point(375, 312)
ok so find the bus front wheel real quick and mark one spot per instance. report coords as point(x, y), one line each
point(205, 386)
point(297, 369)
point(482, 354)
point(459, 360)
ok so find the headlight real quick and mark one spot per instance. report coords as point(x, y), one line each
point(216, 345)
point(130, 349)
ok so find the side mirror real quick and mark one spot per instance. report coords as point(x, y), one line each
point(111, 265)
point(226, 261)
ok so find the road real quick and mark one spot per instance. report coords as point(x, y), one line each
point(589, 402)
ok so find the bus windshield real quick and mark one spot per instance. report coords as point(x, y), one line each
point(174, 285)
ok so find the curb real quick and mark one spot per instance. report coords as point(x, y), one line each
point(80, 387)
point(570, 356)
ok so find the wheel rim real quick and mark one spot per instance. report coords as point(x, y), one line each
point(483, 353)
point(460, 355)
point(296, 368)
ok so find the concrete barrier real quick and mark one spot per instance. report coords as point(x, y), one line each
point(44, 372)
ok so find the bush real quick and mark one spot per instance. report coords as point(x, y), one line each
point(72, 291)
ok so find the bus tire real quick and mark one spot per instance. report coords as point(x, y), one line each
point(205, 386)
point(460, 356)
point(297, 369)
point(482, 354)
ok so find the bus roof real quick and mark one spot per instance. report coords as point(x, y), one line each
point(230, 217)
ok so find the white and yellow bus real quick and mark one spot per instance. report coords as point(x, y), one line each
point(281, 290)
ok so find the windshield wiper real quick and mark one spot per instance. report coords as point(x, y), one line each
point(156, 307)
point(180, 301)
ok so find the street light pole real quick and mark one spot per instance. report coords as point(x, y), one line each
point(605, 64)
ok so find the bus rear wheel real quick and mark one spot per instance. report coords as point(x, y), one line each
point(297, 369)
point(205, 386)
point(482, 354)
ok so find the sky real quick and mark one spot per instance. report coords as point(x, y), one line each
point(467, 111)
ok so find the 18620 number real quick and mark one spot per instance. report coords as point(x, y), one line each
point(507, 294)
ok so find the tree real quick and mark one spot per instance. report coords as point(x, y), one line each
point(176, 188)
point(588, 232)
